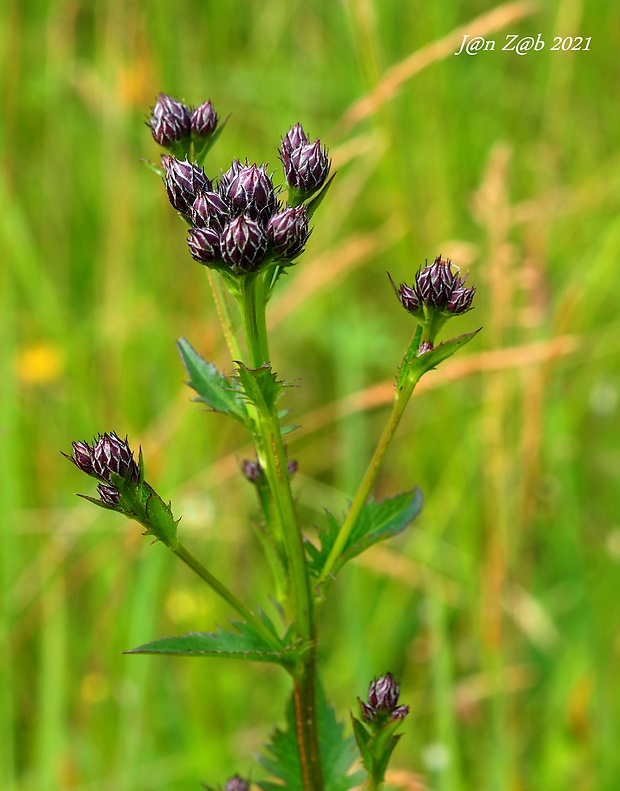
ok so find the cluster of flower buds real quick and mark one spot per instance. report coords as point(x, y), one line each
point(436, 288)
point(108, 455)
point(383, 701)
point(238, 225)
point(172, 121)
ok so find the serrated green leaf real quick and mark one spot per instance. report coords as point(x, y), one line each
point(260, 385)
point(376, 522)
point(220, 393)
point(281, 756)
point(243, 643)
point(159, 520)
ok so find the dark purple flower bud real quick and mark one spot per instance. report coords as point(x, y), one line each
point(204, 244)
point(111, 454)
point(226, 178)
point(237, 783)
point(288, 231)
point(306, 168)
point(252, 471)
point(292, 466)
point(428, 346)
point(250, 191)
point(204, 120)
point(109, 495)
point(170, 120)
point(435, 283)
point(243, 244)
point(368, 713)
point(383, 693)
point(184, 181)
point(210, 210)
point(82, 457)
point(294, 138)
point(460, 300)
point(399, 713)
point(409, 298)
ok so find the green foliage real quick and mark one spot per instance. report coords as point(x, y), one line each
point(376, 522)
point(260, 386)
point(281, 755)
point(376, 746)
point(96, 277)
point(220, 393)
point(414, 366)
point(243, 643)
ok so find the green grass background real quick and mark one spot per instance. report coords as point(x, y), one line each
point(498, 611)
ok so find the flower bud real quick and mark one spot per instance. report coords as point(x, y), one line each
point(306, 167)
point(82, 457)
point(460, 299)
point(383, 701)
point(294, 138)
point(368, 713)
point(250, 191)
point(383, 693)
point(288, 231)
point(204, 244)
point(210, 210)
point(110, 455)
point(109, 495)
point(252, 471)
point(243, 244)
point(184, 181)
point(170, 120)
point(204, 120)
point(409, 298)
point(236, 783)
point(435, 283)
point(226, 178)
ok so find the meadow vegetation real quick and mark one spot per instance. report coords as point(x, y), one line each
point(497, 610)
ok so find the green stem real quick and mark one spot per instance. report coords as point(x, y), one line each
point(404, 390)
point(252, 304)
point(254, 320)
point(186, 556)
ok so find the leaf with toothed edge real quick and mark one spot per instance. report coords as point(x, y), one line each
point(376, 522)
point(281, 756)
point(260, 385)
point(243, 643)
point(220, 393)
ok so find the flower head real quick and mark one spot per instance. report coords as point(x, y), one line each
point(249, 190)
point(204, 120)
point(436, 287)
point(383, 701)
point(184, 181)
point(306, 165)
point(288, 231)
point(243, 244)
point(170, 120)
